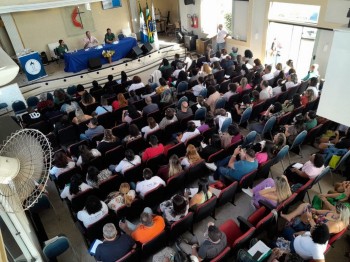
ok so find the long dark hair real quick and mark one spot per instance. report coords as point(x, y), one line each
point(132, 111)
point(92, 173)
point(124, 77)
point(203, 186)
point(85, 154)
point(75, 182)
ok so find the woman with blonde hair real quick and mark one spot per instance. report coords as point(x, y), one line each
point(174, 166)
point(243, 85)
point(206, 70)
point(108, 142)
point(191, 156)
point(308, 97)
point(120, 102)
point(273, 191)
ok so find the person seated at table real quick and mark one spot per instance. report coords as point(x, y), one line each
point(109, 37)
point(89, 40)
point(62, 48)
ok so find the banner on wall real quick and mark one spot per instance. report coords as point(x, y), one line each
point(33, 67)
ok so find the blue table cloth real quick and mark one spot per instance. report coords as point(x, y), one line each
point(77, 61)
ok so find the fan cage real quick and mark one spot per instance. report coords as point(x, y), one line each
point(33, 150)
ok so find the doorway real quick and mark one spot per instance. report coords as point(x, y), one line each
point(286, 41)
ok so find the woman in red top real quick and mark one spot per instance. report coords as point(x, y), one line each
point(307, 97)
point(243, 85)
point(120, 102)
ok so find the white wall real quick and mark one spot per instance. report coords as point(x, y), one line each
point(240, 19)
point(322, 49)
point(334, 103)
point(190, 10)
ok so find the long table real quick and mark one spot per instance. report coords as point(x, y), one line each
point(77, 61)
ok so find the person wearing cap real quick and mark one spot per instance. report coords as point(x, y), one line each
point(215, 242)
point(232, 169)
point(109, 37)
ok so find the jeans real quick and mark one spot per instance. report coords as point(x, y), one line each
point(220, 165)
point(83, 137)
point(220, 46)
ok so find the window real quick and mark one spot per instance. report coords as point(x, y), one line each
point(294, 12)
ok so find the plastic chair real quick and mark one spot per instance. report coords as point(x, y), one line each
point(220, 103)
point(245, 116)
point(281, 155)
point(268, 127)
point(298, 141)
point(317, 180)
point(249, 139)
point(183, 98)
point(216, 156)
point(200, 113)
point(57, 246)
point(19, 107)
point(32, 101)
point(182, 87)
point(204, 93)
point(340, 164)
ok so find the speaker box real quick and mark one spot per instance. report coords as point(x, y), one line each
point(134, 52)
point(146, 48)
point(94, 63)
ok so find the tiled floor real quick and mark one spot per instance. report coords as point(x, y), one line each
point(62, 222)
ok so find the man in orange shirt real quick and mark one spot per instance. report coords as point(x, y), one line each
point(150, 227)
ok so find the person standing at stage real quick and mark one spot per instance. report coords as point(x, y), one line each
point(89, 40)
point(109, 37)
point(220, 38)
point(62, 48)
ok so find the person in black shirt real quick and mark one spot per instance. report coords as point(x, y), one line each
point(213, 147)
point(31, 117)
point(108, 88)
point(176, 60)
point(114, 246)
point(108, 142)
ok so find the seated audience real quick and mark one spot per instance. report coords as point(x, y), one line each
point(61, 163)
point(162, 87)
point(310, 120)
point(76, 186)
point(80, 116)
point(266, 90)
point(134, 133)
point(32, 117)
point(150, 227)
point(149, 183)
point(164, 65)
point(239, 108)
point(313, 72)
point(148, 92)
point(268, 75)
point(60, 96)
point(93, 129)
point(292, 81)
point(309, 170)
point(190, 132)
point(128, 162)
point(274, 110)
point(136, 84)
point(130, 114)
point(153, 151)
point(291, 131)
point(87, 99)
point(278, 68)
point(152, 126)
point(184, 112)
point(230, 137)
point(199, 87)
point(220, 116)
point(313, 86)
point(258, 67)
point(109, 86)
point(174, 209)
point(94, 177)
point(150, 106)
point(191, 156)
point(169, 118)
point(290, 105)
point(281, 87)
point(243, 85)
point(94, 210)
point(86, 155)
point(212, 246)
point(114, 246)
point(173, 169)
point(273, 191)
point(108, 142)
point(133, 97)
point(232, 169)
point(176, 61)
point(44, 103)
point(104, 107)
point(179, 68)
point(69, 106)
point(120, 102)
point(213, 96)
point(213, 147)
point(232, 90)
point(95, 87)
point(202, 195)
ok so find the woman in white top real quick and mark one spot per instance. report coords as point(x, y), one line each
point(76, 186)
point(191, 156)
point(152, 126)
point(95, 177)
point(292, 81)
point(94, 210)
point(61, 164)
point(104, 107)
point(278, 69)
point(128, 162)
point(189, 133)
point(87, 155)
point(136, 83)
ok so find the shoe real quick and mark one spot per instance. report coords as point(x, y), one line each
point(211, 166)
point(248, 191)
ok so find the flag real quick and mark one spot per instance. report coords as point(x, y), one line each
point(149, 24)
point(155, 34)
point(143, 31)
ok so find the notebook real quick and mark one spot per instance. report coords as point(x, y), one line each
point(259, 251)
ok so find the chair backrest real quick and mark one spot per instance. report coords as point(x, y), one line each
point(178, 149)
point(264, 223)
point(106, 120)
point(120, 130)
point(282, 97)
point(249, 139)
point(312, 134)
point(68, 135)
point(182, 87)
point(231, 148)
point(224, 86)
point(156, 115)
point(281, 154)
point(155, 244)
point(343, 160)
point(299, 139)
point(223, 256)
point(219, 75)
point(231, 230)
point(337, 236)
point(195, 140)
point(154, 196)
point(220, 103)
point(247, 180)
point(264, 169)
point(257, 109)
point(234, 99)
point(286, 203)
point(227, 194)
point(131, 256)
point(174, 184)
point(291, 92)
point(134, 173)
point(227, 122)
point(58, 246)
point(95, 231)
point(155, 162)
point(245, 116)
point(206, 209)
point(284, 119)
point(302, 87)
point(42, 126)
point(269, 102)
point(19, 107)
point(73, 149)
point(171, 129)
point(216, 156)
point(109, 185)
point(64, 178)
point(181, 226)
point(196, 170)
point(269, 125)
point(137, 145)
point(200, 113)
point(297, 111)
point(114, 156)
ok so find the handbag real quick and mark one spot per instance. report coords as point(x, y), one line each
point(334, 161)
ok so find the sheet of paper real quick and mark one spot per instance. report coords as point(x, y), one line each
point(259, 246)
point(298, 165)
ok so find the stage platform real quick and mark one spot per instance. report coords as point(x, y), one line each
point(58, 78)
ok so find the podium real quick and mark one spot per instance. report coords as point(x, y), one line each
point(190, 42)
point(201, 45)
point(32, 65)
